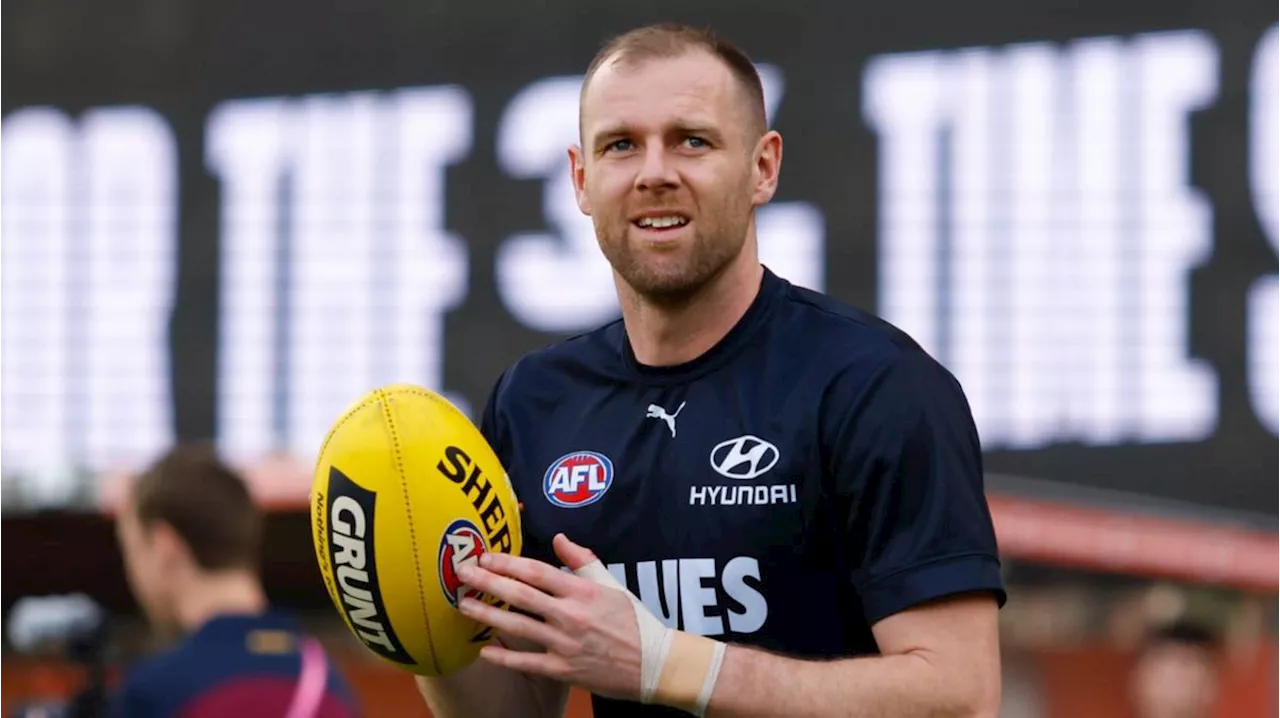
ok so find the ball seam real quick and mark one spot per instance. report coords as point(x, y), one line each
point(408, 508)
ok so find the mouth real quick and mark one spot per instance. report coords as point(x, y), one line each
point(660, 225)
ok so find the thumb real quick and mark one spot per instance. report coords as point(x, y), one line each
point(571, 554)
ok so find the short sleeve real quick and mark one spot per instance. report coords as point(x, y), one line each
point(494, 426)
point(491, 426)
point(907, 473)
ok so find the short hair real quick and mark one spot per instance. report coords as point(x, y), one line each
point(207, 504)
point(670, 40)
point(1183, 632)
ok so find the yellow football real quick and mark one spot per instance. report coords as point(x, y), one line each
point(406, 489)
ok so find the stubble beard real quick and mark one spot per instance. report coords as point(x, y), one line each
point(670, 282)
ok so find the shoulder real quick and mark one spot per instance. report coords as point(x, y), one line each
point(148, 684)
point(873, 375)
point(824, 321)
point(158, 666)
point(202, 679)
point(548, 370)
point(856, 346)
point(842, 318)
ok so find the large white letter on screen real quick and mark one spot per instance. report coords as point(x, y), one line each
point(1038, 228)
point(130, 272)
point(1264, 164)
point(35, 258)
point(337, 269)
point(89, 248)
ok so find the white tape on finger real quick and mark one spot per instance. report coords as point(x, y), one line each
point(694, 661)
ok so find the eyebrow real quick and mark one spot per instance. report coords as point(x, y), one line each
point(613, 132)
point(609, 133)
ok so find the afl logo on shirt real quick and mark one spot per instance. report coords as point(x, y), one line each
point(462, 543)
point(578, 479)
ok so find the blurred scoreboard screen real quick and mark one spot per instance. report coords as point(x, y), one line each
point(226, 221)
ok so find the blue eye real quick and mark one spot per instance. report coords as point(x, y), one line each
point(696, 142)
point(619, 145)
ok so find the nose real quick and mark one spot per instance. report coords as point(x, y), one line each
point(656, 169)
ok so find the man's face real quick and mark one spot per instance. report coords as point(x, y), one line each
point(144, 566)
point(670, 170)
point(1175, 681)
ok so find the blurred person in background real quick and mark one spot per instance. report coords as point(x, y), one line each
point(1176, 673)
point(190, 535)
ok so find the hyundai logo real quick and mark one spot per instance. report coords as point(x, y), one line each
point(745, 457)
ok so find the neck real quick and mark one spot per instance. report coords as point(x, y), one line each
point(222, 593)
point(669, 335)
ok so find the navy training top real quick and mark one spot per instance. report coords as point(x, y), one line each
point(811, 474)
point(239, 666)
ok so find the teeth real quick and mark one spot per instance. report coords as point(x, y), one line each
point(662, 222)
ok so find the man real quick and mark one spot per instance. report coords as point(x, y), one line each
point(1176, 673)
point(190, 537)
point(791, 488)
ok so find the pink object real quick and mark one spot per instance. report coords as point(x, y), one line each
point(311, 684)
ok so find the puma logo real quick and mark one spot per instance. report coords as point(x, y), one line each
point(657, 412)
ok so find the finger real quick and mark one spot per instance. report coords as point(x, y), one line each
point(514, 624)
point(514, 592)
point(534, 573)
point(539, 664)
point(571, 554)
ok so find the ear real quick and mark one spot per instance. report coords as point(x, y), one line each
point(767, 165)
point(578, 175)
point(167, 546)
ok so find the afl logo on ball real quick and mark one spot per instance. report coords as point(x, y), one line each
point(578, 479)
point(462, 543)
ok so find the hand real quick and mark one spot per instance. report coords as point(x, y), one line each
point(590, 632)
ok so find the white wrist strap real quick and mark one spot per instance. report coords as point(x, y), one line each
point(677, 669)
